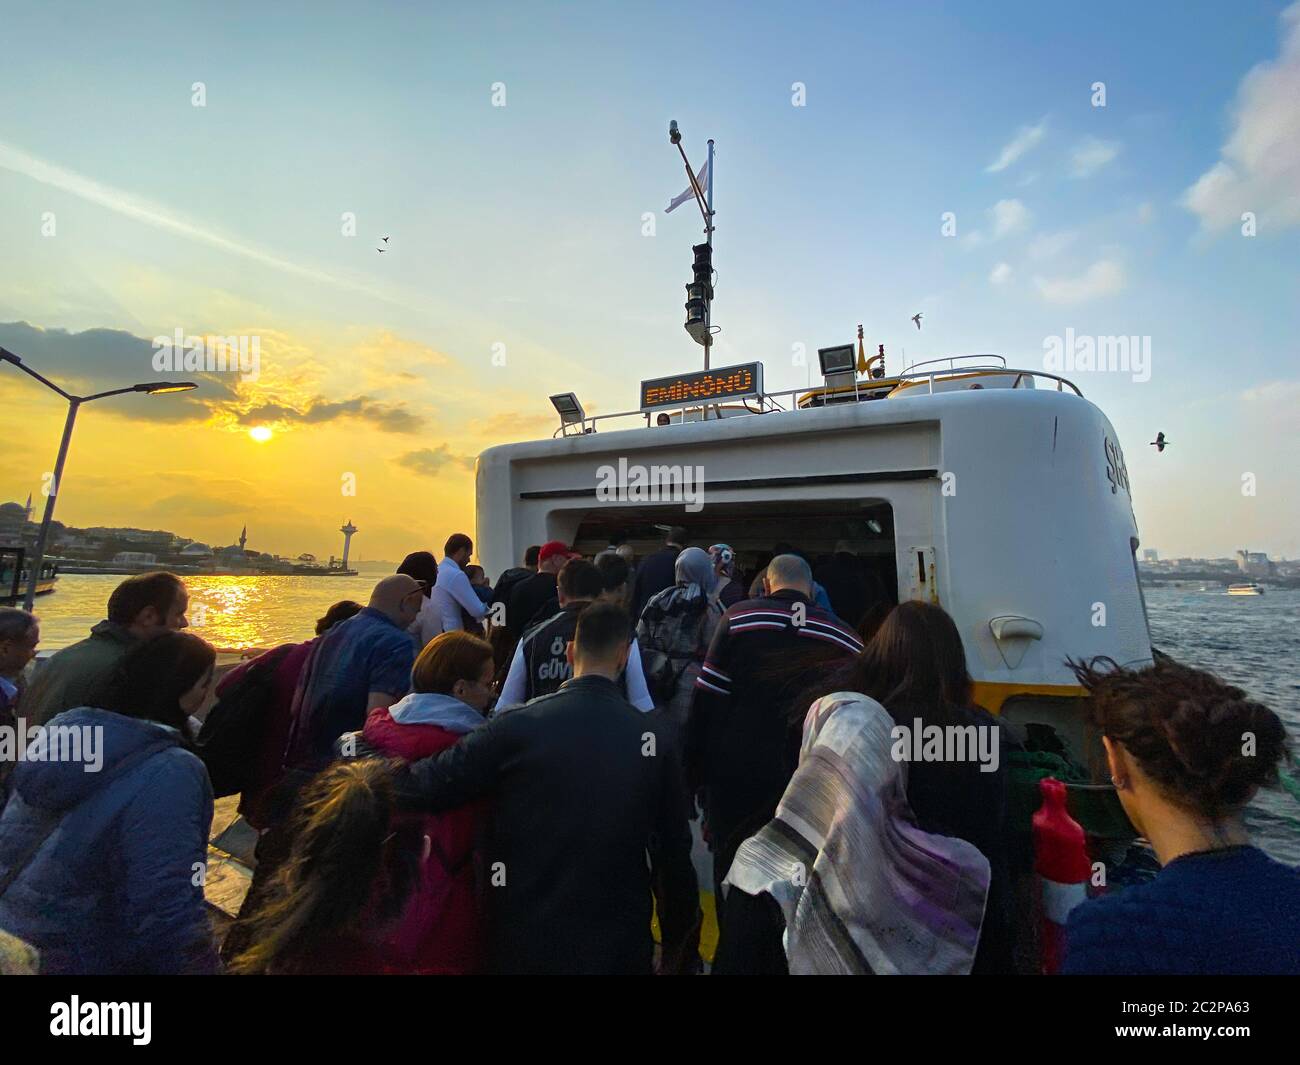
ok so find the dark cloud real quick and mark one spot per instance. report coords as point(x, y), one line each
point(100, 359)
point(390, 417)
point(430, 461)
point(96, 360)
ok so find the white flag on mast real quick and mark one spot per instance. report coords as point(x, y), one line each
point(703, 180)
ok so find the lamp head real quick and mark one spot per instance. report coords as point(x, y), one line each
point(158, 388)
point(568, 408)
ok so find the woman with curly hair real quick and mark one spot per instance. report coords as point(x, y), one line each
point(1187, 752)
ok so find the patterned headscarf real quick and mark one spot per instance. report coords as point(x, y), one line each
point(861, 887)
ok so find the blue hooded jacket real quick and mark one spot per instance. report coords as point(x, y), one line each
point(117, 887)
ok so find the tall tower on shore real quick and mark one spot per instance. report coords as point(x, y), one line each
point(243, 538)
point(347, 530)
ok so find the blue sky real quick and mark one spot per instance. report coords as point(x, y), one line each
point(522, 226)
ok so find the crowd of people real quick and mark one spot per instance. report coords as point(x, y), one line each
point(463, 776)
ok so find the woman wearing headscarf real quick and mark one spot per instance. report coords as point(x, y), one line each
point(730, 591)
point(675, 630)
point(915, 667)
point(843, 880)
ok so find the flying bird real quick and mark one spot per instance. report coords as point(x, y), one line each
point(384, 239)
point(380, 250)
point(1159, 442)
point(917, 319)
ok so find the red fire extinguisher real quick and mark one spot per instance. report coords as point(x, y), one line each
point(1061, 861)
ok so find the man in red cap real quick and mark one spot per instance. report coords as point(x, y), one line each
point(529, 596)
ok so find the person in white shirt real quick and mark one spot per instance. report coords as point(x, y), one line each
point(453, 592)
point(424, 568)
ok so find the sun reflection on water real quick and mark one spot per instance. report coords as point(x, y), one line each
point(231, 613)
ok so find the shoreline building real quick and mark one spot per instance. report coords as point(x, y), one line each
point(1254, 563)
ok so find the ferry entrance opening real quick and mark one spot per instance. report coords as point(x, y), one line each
point(755, 530)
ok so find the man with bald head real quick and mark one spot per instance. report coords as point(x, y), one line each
point(357, 665)
point(745, 724)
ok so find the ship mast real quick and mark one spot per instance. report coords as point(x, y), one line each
point(699, 293)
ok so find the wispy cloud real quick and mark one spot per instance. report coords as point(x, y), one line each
point(389, 417)
point(1009, 216)
point(1274, 404)
point(1001, 274)
point(431, 461)
point(1026, 137)
point(1259, 166)
point(1006, 217)
point(1102, 278)
point(1090, 155)
point(1050, 245)
point(151, 214)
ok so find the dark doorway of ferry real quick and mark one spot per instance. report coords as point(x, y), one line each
point(848, 543)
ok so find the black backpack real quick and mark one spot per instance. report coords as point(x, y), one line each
point(231, 739)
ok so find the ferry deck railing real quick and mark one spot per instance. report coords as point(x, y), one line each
point(951, 360)
point(768, 402)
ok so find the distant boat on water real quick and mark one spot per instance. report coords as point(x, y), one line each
point(1250, 588)
point(15, 572)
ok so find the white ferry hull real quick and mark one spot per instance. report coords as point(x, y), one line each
point(1010, 509)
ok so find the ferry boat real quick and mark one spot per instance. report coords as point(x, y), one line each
point(999, 493)
point(1249, 588)
point(15, 573)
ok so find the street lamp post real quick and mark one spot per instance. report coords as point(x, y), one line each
point(152, 388)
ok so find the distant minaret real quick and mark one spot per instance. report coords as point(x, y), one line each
point(243, 538)
point(28, 515)
point(347, 531)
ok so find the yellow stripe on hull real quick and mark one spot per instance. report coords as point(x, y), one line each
point(991, 695)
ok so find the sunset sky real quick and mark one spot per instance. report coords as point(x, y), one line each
point(126, 212)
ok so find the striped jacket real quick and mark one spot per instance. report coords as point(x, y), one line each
point(743, 730)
